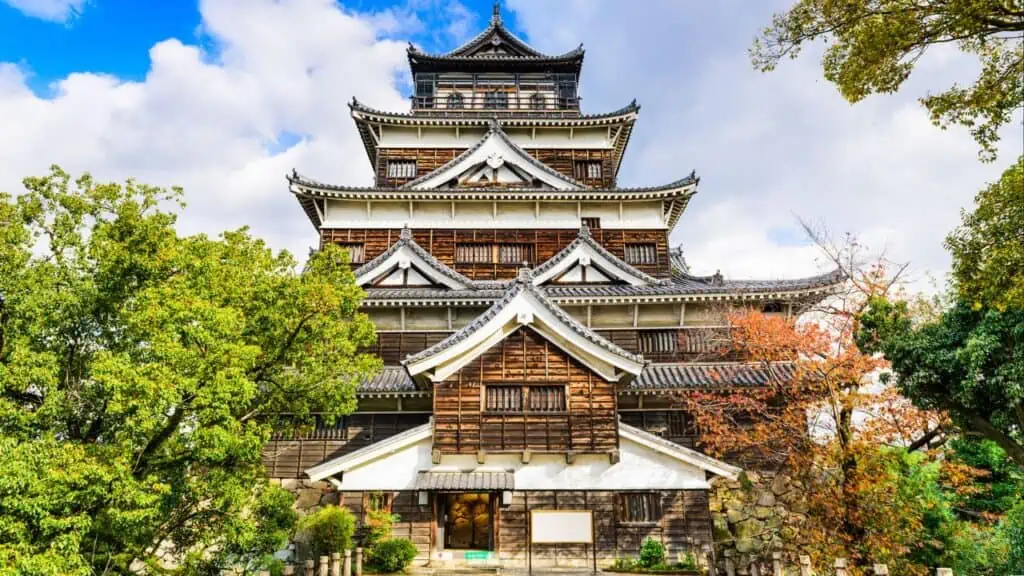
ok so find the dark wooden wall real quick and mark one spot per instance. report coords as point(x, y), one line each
point(462, 426)
point(288, 455)
point(693, 344)
point(429, 159)
point(441, 243)
point(684, 526)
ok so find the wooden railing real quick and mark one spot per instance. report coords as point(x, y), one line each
point(497, 103)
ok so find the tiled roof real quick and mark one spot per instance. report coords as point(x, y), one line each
point(584, 237)
point(434, 116)
point(522, 283)
point(718, 375)
point(465, 481)
point(494, 130)
point(389, 379)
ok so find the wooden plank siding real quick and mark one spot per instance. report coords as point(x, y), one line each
point(546, 243)
point(589, 424)
point(429, 159)
point(288, 455)
point(693, 344)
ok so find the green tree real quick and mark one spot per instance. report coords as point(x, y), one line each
point(988, 246)
point(873, 46)
point(139, 372)
point(968, 363)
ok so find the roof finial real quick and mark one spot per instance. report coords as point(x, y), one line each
point(584, 230)
point(406, 234)
point(524, 274)
point(496, 13)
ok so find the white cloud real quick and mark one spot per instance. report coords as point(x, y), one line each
point(222, 122)
point(54, 10)
point(770, 147)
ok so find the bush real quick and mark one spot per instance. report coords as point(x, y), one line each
point(652, 553)
point(327, 530)
point(392, 555)
point(376, 528)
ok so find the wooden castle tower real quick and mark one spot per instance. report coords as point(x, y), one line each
point(533, 321)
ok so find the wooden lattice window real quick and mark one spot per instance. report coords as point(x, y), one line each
point(504, 399)
point(517, 399)
point(587, 169)
point(678, 424)
point(515, 253)
point(401, 168)
point(474, 253)
point(356, 252)
point(496, 99)
point(639, 507)
point(493, 253)
point(592, 223)
point(641, 253)
point(652, 341)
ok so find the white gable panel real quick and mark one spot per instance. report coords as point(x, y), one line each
point(639, 468)
point(404, 259)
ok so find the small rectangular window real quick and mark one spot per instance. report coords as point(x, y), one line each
point(584, 169)
point(401, 168)
point(517, 399)
point(496, 100)
point(356, 252)
point(678, 424)
point(592, 223)
point(639, 507)
point(473, 253)
point(652, 341)
point(641, 253)
point(504, 399)
point(515, 253)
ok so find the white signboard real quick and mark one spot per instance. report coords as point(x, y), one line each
point(561, 526)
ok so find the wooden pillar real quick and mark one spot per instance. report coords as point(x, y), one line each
point(840, 567)
point(777, 568)
point(881, 570)
point(943, 572)
point(346, 569)
point(730, 566)
point(325, 565)
point(805, 566)
point(309, 567)
point(289, 570)
point(752, 567)
point(359, 561)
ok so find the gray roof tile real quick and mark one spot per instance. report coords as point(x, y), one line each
point(718, 375)
point(465, 481)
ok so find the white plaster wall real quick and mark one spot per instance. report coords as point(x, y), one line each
point(395, 214)
point(639, 468)
point(411, 137)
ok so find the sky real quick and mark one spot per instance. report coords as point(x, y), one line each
point(224, 97)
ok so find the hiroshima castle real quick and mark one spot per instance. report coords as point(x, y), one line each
point(535, 324)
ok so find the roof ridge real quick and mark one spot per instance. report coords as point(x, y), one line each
point(425, 114)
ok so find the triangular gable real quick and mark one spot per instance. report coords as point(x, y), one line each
point(524, 305)
point(585, 261)
point(501, 161)
point(646, 461)
point(496, 40)
point(406, 264)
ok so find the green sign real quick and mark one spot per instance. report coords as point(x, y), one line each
point(478, 555)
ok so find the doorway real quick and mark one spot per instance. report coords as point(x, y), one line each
point(468, 521)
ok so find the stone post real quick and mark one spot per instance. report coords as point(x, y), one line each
point(805, 566)
point(777, 568)
point(263, 573)
point(730, 566)
point(289, 570)
point(752, 569)
point(840, 566)
point(943, 572)
point(309, 567)
point(335, 563)
point(346, 569)
point(881, 570)
point(359, 561)
point(325, 565)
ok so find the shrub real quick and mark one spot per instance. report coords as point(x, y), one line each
point(376, 528)
point(652, 553)
point(392, 555)
point(327, 530)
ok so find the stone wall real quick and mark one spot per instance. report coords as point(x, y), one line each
point(755, 515)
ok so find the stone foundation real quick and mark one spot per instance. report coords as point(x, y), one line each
point(755, 515)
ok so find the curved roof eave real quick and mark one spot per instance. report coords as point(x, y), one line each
point(362, 112)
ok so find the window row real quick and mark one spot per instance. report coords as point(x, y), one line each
point(587, 169)
point(519, 399)
point(502, 253)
